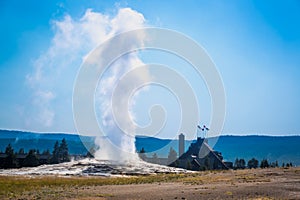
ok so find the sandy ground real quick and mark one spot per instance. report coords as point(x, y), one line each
point(242, 184)
point(277, 183)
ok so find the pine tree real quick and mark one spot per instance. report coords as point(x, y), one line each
point(264, 163)
point(253, 163)
point(64, 151)
point(31, 159)
point(242, 163)
point(10, 160)
point(55, 153)
point(287, 164)
point(142, 150)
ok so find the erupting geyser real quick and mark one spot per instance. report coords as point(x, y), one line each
point(113, 109)
point(94, 90)
point(112, 76)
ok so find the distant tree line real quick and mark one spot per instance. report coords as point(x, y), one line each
point(12, 159)
point(238, 164)
point(172, 156)
point(254, 163)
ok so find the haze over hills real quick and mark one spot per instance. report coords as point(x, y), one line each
point(283, 148)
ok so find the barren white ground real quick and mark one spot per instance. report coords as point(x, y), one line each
point(95, 167)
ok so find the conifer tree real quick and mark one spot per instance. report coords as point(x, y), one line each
point(31, 159)
point(264, 163)
point(10, 160)
point(253, 163)
point(55, 153)
point(64, 151)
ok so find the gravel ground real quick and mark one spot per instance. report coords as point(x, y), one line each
point(275, 183)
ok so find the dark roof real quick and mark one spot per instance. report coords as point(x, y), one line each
point(196, 149)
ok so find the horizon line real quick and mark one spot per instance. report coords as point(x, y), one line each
point(229, 134)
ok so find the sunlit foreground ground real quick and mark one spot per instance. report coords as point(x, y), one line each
point(278, 183)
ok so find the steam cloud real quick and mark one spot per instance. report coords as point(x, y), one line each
point(55, 70)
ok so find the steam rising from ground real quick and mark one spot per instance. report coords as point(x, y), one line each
point(120, 140)
point(119, 144)
point(55, 71)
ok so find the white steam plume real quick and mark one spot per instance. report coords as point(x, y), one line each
point(55, 71)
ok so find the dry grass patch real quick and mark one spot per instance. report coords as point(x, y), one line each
point(12, 187)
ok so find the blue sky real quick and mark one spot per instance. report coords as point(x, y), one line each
point(254, 44)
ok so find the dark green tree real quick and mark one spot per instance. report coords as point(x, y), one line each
point(64, 151)
point(55, 154)
point(31, 159)
point(242, 164)
point(287, 164)
point(10, 160)
point(142, 150)
point(264, 163)
point(239, 164)
point(253, 163)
